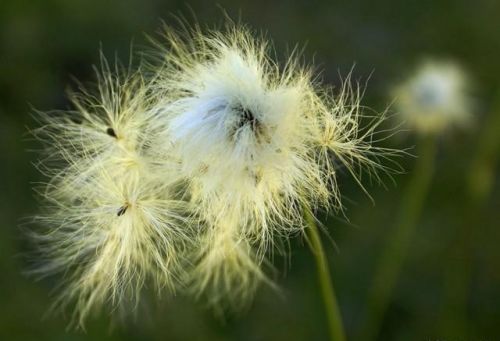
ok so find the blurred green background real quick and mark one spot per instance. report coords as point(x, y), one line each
point(43, 43)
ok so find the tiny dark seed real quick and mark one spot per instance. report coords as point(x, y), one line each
point(111, 132)
point(122, 210)
point(257, 177)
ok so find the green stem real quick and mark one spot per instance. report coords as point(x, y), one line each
point(480, 178)
point(394, 254)
point(329, 299)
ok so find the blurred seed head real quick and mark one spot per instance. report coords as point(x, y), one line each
point(434, 98)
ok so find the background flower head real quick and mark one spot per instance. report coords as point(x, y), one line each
point(434, 98)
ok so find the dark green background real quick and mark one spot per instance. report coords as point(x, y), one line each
point(45, 42)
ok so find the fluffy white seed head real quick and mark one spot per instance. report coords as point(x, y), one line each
point(109, 224)
point(111, 241)
point(222, 141)
point(434, 98)
point(256, 142)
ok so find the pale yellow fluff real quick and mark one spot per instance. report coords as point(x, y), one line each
point(257, 143)
point(108, 224)
point(196, 175)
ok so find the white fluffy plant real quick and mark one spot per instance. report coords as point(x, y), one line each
point(259, 145)
point(197, 174)
point(110, 225)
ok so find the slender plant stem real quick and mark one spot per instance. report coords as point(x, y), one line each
point(480, 178)
point(394, 254)
point(329, 299)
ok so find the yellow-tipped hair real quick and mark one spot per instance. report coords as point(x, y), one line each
point(196, 174)
point(255, 139)
point(109, 224)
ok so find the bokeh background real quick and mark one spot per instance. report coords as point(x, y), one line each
point(43, 43)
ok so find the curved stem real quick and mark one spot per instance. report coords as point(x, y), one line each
point(394, 254)
point(329, 299)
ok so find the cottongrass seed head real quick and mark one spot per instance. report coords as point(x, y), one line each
point(258, 143)
point(435, 98)
point(109, 225)
point(193, 173)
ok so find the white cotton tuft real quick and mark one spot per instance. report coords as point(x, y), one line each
point(110, 225)
point(256, 143)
